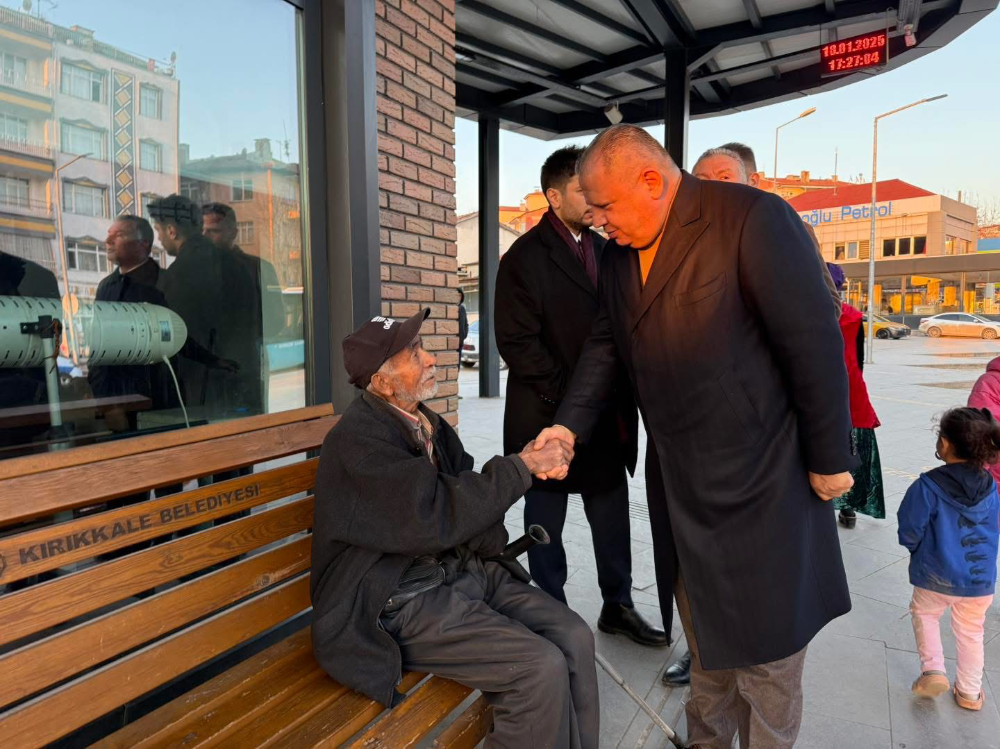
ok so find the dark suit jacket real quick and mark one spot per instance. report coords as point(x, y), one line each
point(737, 364)
point(545, 307)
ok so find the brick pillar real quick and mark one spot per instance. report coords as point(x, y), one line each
point(415, 59)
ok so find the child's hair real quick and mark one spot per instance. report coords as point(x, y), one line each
point(973, 433)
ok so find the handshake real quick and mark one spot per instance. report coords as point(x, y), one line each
point(548, 456)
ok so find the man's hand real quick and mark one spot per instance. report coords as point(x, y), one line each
point(831, 486)
point(556, 431)
point(550, 461)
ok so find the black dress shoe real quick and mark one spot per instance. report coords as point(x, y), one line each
point(616, 619)
point(847, 518)
point(679, 674)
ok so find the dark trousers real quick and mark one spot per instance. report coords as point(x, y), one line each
point(762, 703)
point(531, 656)
point(607, 513)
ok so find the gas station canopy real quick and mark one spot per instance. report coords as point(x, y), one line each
point(549, 68)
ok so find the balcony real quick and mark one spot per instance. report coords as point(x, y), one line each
point(24, 206)
point(26, 148)
point(21, 82)
point(25, 22)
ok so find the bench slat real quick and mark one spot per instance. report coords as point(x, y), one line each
point(142, 521)
point(41, 494)
point(337, 723)
point(47, 604)
point(79, 456)
point(469, 728)
point(417, 716)
point(251, 683)
point(34, 667)
point(91, 696)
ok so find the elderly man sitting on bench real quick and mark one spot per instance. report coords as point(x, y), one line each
point(402, 575)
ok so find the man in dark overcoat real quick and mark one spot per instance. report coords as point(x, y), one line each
point(715, 302)
point(547, 299)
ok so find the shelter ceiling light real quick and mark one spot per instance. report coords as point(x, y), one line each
point(613, 113)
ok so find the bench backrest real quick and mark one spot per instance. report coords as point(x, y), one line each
point(83, 641)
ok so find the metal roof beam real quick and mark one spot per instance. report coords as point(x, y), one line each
point(468, 41)
point(794, 22)
point(620, 62)
point(541, 84)
point(754, 13)
point(599, 18)
point(514, 22)
point(659, 23)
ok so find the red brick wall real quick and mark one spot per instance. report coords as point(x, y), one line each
point(415, 59)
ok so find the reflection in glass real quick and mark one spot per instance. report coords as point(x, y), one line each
point(147, 169)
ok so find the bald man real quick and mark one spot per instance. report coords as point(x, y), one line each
point(716, 305)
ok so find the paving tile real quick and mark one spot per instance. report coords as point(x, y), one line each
point(823, 732)
point(890, 584)
point(845, 677)
point(866, 617)
point(898, 635)
point(933, 724)
point(881, 538)
point(859, 562)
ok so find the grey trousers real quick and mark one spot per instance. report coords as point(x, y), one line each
point(763, 703)
point(528, 653)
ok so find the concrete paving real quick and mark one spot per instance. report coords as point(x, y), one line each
point(859, 669)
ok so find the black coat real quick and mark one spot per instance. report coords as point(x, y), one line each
point(738, 367)
point(380, 503)
point(154, 382)
point(545, 307)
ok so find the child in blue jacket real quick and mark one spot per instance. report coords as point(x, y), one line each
point(950, 522)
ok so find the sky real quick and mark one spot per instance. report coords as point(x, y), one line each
point(944, 146)
point(235, 62)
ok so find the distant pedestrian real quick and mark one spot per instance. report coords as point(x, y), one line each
point(867, 496)
point(986, 394)
point(949, 522)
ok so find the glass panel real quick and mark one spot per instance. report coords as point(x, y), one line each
point(904, 245)
point(888, 247)
point(852, 250)
point(919, 245)
point(155, 124)
point(838, 252)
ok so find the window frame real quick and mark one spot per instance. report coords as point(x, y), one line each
point(246, 194)
point(145, 88)
point(158, 151)
point(71, 187)
point(66, 130)
point(99, 77)
point(245, 234)
point(98, 250)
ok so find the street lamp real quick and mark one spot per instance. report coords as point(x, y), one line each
point(776, 130)
point(871, 244)
point(61, 251)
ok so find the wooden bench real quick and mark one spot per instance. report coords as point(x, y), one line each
point(179, 619)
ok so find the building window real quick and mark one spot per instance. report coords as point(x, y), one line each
point(36, 249)
point(13, 128)
point(150, 101)
point(150, 156)
point(82, 83)
point(920, 245)
point(86, 257)
point(82, 140)
point(904, 245)
point(15, 69)
point(888, 247)
point(838, 252)
point(244, 232)
point(85, 200)
point(13, 192)
point(144, 201)
point(852, 250)
point(242, 190)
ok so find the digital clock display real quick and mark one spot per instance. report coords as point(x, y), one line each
point(856, 53)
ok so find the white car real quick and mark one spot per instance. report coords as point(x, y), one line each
point(470, 348)
point(960, 324)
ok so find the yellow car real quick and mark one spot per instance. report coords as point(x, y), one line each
point(887, 328)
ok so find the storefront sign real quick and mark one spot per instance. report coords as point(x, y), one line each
point(846, 213)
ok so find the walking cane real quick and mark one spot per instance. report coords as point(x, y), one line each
point(537, 536)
